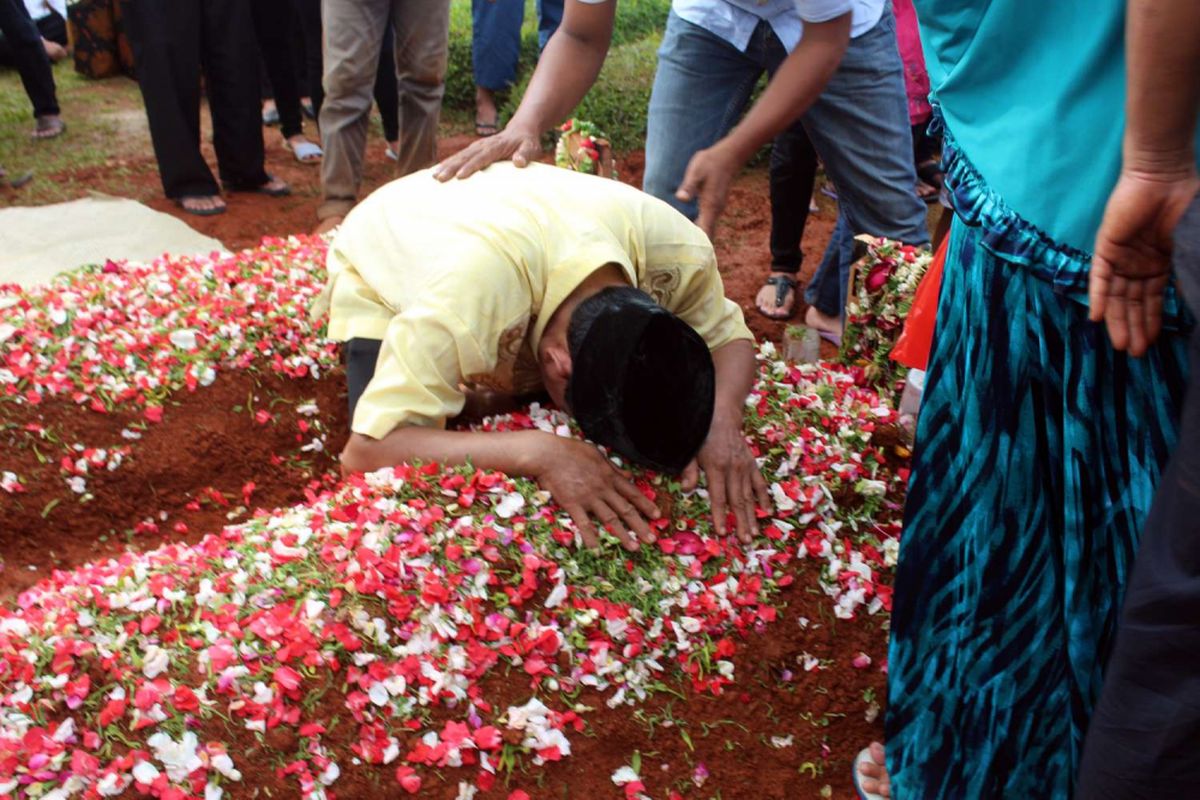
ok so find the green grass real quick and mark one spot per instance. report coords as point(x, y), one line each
point(618, 101)
point(105, 126)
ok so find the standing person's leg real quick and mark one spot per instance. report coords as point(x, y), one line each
point(860, 128)
point(165, 36)
point(701, 87)
point(793, 172)
point(25, 44)
point(387, 92)
point(826, 292)
point(550, 14)
point(271, 31)
point(228, 57)
point(1144, 739)
point(353, 32)
point(308, 14)
point(1037, 452)
point(422, 39)
point(495, 49)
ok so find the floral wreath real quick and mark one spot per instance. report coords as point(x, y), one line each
point(582, 147)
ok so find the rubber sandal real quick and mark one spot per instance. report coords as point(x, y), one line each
point(930, 173)
point(271, 117)
point(829, 190)
point(392, 154)
point(200, 212)
point(486, 129)
point(284, 191)
point(309, 110)
point(863, 757)
point(49, 128)
point(833, 338)
point(783, 284)
point(305, 152)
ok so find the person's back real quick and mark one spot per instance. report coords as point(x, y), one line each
point(538, 225)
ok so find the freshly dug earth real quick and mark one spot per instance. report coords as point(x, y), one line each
point(211, 438)
point(786, 731)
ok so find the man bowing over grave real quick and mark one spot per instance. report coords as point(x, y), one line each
point(534, 278)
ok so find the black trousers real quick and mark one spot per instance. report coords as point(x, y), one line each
point(284, 29)
point(793, 173)
point(360, 357)
point(51, 27)
point(1144, 738)
point(174, 41)
point(29, 57)
point(387, 88)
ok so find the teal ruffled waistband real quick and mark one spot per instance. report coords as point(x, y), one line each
point(1009, 236)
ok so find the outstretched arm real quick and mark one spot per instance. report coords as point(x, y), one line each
point(1132, 261)
point(734, 479)
point(795, 87)
point(580, 478)
point(564, 74)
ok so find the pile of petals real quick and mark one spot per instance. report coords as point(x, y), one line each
point(131, 333)
point(376, 620)
point(379, 623)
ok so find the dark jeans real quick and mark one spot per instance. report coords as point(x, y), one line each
point(173, 41)
point(24, 43)
point(284, 29)
point(793, 174)
point(1144, 738)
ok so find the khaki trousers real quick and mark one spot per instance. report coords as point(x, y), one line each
point(353, 36)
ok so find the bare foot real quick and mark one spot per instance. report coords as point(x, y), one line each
point(326, 225)
point(54, 51)
point(822, 322)
point(202, 205)
point(874, 772)
point(768, 295)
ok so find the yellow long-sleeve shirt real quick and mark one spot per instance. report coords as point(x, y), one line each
point(459, 279)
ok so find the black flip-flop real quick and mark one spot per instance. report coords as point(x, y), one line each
point(486, 129)
point(15, 181)
point(783, 284)
point(261, 189)
point(200, 212)
point(46, 132)
point(930, 173)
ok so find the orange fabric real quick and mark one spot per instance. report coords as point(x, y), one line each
point(916, 340)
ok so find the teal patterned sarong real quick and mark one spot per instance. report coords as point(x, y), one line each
point(1038, 452)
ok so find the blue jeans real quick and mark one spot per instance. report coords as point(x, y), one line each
point(496, 41)
point(859, 127)
point(550, 14)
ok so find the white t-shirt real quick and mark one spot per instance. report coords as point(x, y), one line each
point(735, 20)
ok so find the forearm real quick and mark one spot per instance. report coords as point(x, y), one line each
point(567, 68)
point(512, 452)
point(1163, 43)
point(795, 87)
point(736, 369)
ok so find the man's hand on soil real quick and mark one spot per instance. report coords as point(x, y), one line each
point(735, 482)
point(522, 147)
point(587, 485)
